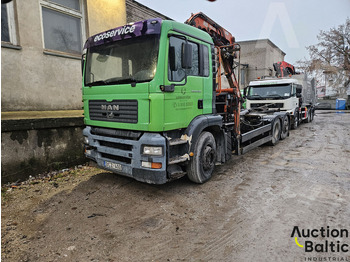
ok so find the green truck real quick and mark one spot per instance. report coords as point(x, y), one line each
point(153, 106)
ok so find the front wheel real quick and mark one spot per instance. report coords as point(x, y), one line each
point(202, 164)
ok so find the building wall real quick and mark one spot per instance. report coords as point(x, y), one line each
point(33, 78)
point(258, 57)
point(137, 12)
point(105, 14)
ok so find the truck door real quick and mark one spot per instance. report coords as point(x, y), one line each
point(186, 100)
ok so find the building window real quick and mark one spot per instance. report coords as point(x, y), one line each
point(63, 25)
point(8, 28)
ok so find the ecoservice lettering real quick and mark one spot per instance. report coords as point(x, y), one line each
point(119, 31)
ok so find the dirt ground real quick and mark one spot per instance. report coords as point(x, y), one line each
point(246, 212)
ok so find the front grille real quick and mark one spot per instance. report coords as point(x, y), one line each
point(123, 111)
point(275, 105)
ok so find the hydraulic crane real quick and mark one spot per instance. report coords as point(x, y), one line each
point(228, 99)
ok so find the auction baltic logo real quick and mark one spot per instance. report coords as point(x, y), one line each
point(323, 240)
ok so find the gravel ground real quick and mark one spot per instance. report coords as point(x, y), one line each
point(246, 212)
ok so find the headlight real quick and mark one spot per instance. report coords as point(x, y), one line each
point(153, 150)
point(86, 140)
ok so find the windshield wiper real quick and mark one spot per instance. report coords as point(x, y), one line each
point(97, 83)
point(113, 81)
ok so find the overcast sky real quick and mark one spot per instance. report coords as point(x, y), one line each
point(291, 25)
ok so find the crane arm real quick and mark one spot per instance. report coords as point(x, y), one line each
point(224, 43)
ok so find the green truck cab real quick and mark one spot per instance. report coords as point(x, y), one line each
point(139, 96)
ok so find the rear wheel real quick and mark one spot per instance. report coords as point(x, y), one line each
point(285, 127)
point(295, 123)
point(276, 132)
point(308, 119)
point(202, 164)
point(312, 114)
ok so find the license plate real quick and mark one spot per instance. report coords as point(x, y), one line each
point(113, 165)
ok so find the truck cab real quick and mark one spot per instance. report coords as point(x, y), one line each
point(274, 94)
point(291, 94)
point(143, 84)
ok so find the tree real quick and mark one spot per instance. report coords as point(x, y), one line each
point(331, 57)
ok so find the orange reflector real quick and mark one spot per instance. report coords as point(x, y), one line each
point(191, 154)
point(156, 165)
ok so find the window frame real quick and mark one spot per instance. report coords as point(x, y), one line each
point(12, 26)
point(66, 11)
point(201, 60)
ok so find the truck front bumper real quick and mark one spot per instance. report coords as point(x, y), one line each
point(121, 152)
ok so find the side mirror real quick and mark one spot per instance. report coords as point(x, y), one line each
point(298, 92)
point(245, 92)
point(186, 56)
point(172, 59)
point(82, 63)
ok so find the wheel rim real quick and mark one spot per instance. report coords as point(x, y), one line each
point(285, 125)
point(208, 158)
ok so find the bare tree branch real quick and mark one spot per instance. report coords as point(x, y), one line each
point(331, 55)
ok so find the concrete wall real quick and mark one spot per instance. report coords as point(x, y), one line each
point(259, 56)
point(33, 78)
point(33, 146)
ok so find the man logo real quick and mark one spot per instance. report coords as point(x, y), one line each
point(110, 107)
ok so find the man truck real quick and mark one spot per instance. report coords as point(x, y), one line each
point(287, 92)
point(154, 108)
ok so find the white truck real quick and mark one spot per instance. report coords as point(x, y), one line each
point(295, 94)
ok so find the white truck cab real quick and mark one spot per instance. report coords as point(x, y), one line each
point(294, 94)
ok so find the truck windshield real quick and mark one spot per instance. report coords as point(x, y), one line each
point(270, 92)
point(127, 61)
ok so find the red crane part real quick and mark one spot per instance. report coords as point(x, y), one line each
point(283, 69)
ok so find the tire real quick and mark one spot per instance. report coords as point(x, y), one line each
point(295, 122)
point(228, 148)
point(308, 119)
point(276, 132)
point(312, 114)
point(202, 164)
point(285, 127)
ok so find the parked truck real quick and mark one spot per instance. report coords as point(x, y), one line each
point(154, 108)
point(287, 92)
